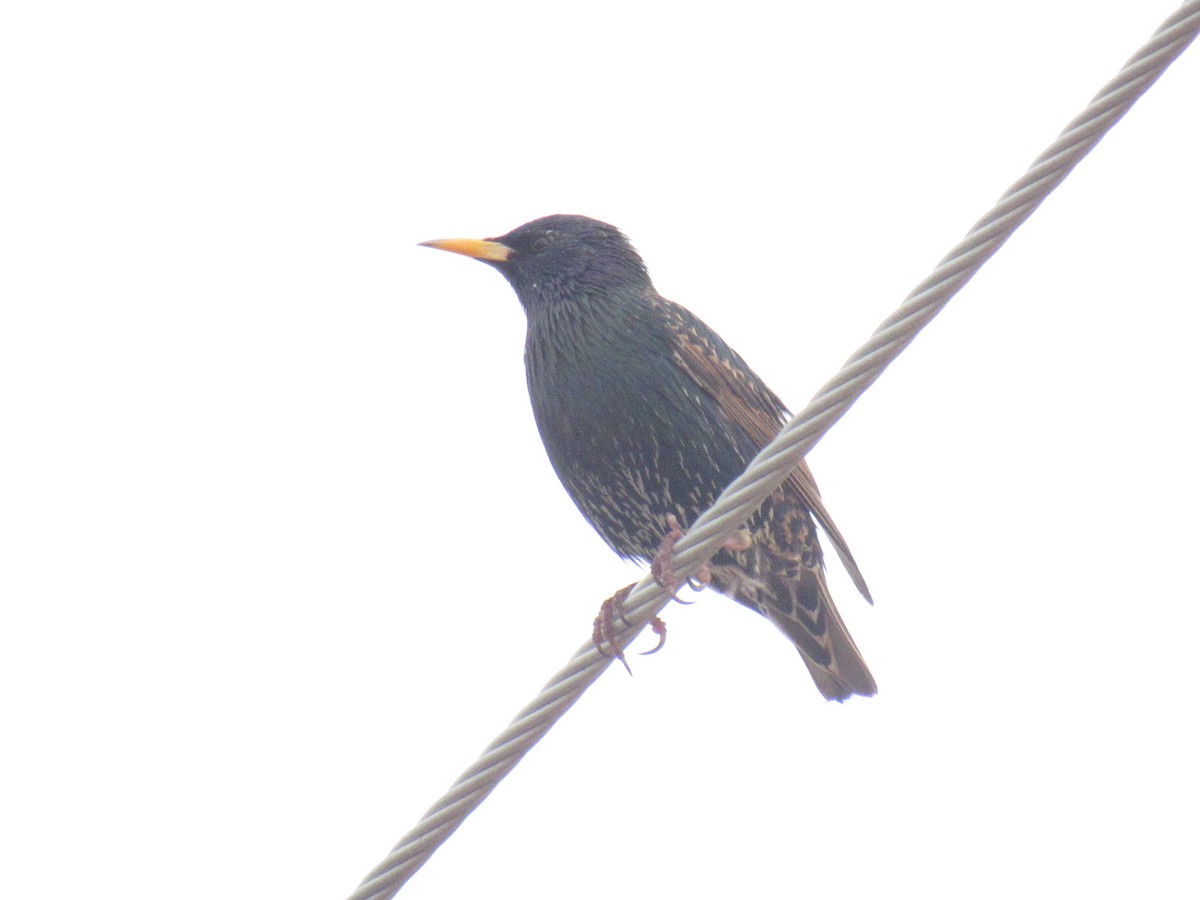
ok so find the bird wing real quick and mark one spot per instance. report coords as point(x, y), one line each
point(748, 403)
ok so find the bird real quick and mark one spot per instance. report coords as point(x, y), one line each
point(647, 414)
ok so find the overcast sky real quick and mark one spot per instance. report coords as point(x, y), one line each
point(281, 552)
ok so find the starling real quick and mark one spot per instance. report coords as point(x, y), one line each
point(646, 413)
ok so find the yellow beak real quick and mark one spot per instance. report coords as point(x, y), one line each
point(489, 251)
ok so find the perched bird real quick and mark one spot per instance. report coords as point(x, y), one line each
point(647, 413)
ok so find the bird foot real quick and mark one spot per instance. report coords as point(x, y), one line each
point(604, 625)
point(603, 628)
point(662, 567)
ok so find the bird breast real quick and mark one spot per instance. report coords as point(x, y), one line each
point(630, 436)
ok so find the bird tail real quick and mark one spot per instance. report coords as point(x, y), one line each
point(803, 609)
point(781, 575)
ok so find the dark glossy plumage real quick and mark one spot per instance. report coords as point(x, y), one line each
point(645, 412)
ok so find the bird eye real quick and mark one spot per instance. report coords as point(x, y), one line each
point(542, 241)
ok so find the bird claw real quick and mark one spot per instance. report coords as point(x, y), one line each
point(603, 626)
point(659, 627)
point(698, 582)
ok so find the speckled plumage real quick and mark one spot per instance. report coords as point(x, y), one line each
point(646, 412)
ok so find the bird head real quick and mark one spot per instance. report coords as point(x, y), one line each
point(559, 259)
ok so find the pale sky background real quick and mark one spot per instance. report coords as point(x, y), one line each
point(280, 550)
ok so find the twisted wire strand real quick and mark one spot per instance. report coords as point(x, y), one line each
point(769, 469)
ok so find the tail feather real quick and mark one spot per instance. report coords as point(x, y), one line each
point(816, 628)
point(781, 575)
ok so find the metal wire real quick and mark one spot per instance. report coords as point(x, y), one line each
point(772, 465)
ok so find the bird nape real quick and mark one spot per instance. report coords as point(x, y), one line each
point(646, 413)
